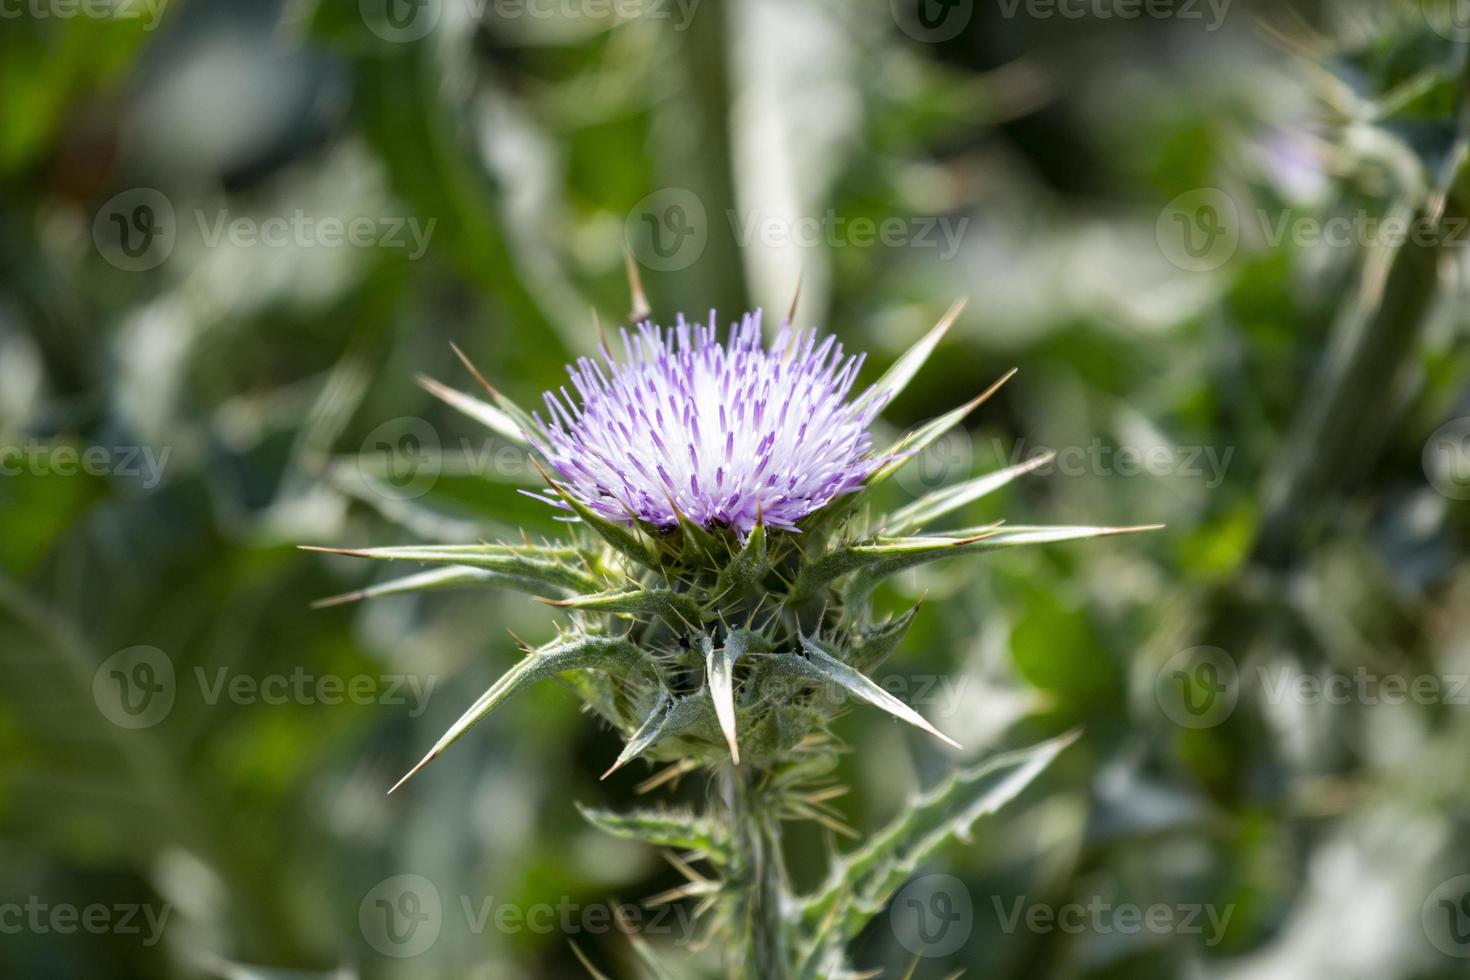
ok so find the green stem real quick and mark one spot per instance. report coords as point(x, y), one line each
point(757, 880)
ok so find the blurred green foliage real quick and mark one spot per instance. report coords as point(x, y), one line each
point(1305, 400)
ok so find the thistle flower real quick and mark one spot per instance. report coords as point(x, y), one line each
point(718, 594)
point(726, 434)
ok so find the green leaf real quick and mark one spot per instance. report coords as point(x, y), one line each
point(549, 567)
point(861, 883)
point(572, 653)
point(483, 412)
point(882, 556)
point(922, 437)
point(676, 608)
point(821, 665)
point(941, 502)
point(453, 577)
point(663, 828)
point(873, 644)
point(897, 377)
point(986, 538)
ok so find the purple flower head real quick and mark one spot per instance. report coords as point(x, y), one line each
point(724, 432)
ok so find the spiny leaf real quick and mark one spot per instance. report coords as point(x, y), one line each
point(926, 434)
point(987, 538)
point(482, 412)
point(942, 502)
point(680, 611)
point(692, 714)
point(533, 563)
point(572, 653)
point(823, 666)
point(887, 554)
point(626, 540)
point(664, 828)
point(897, 377)
point(872, 645)
point(453, 577)
point(719, 668)
point(646, 735)
point(862, 882)
point(518, 415)
point(748, 568)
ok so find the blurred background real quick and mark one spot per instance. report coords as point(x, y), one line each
point(1225, 243)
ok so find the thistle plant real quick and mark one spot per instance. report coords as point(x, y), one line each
point(716, 580)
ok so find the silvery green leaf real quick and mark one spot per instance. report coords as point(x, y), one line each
point(941, 502)
point(453, 577)
point(872, 645)
point(719, 670)
point(647, 733)
point(883, 555)
point(483, 412)
point(551, 566)
point(690, 715)
point(897, 377)
point(680, 611)
point(977, 539)
point(861, 883)
point(572, 653)
point(926, 434)
point(664, 828)
point(823, 666)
